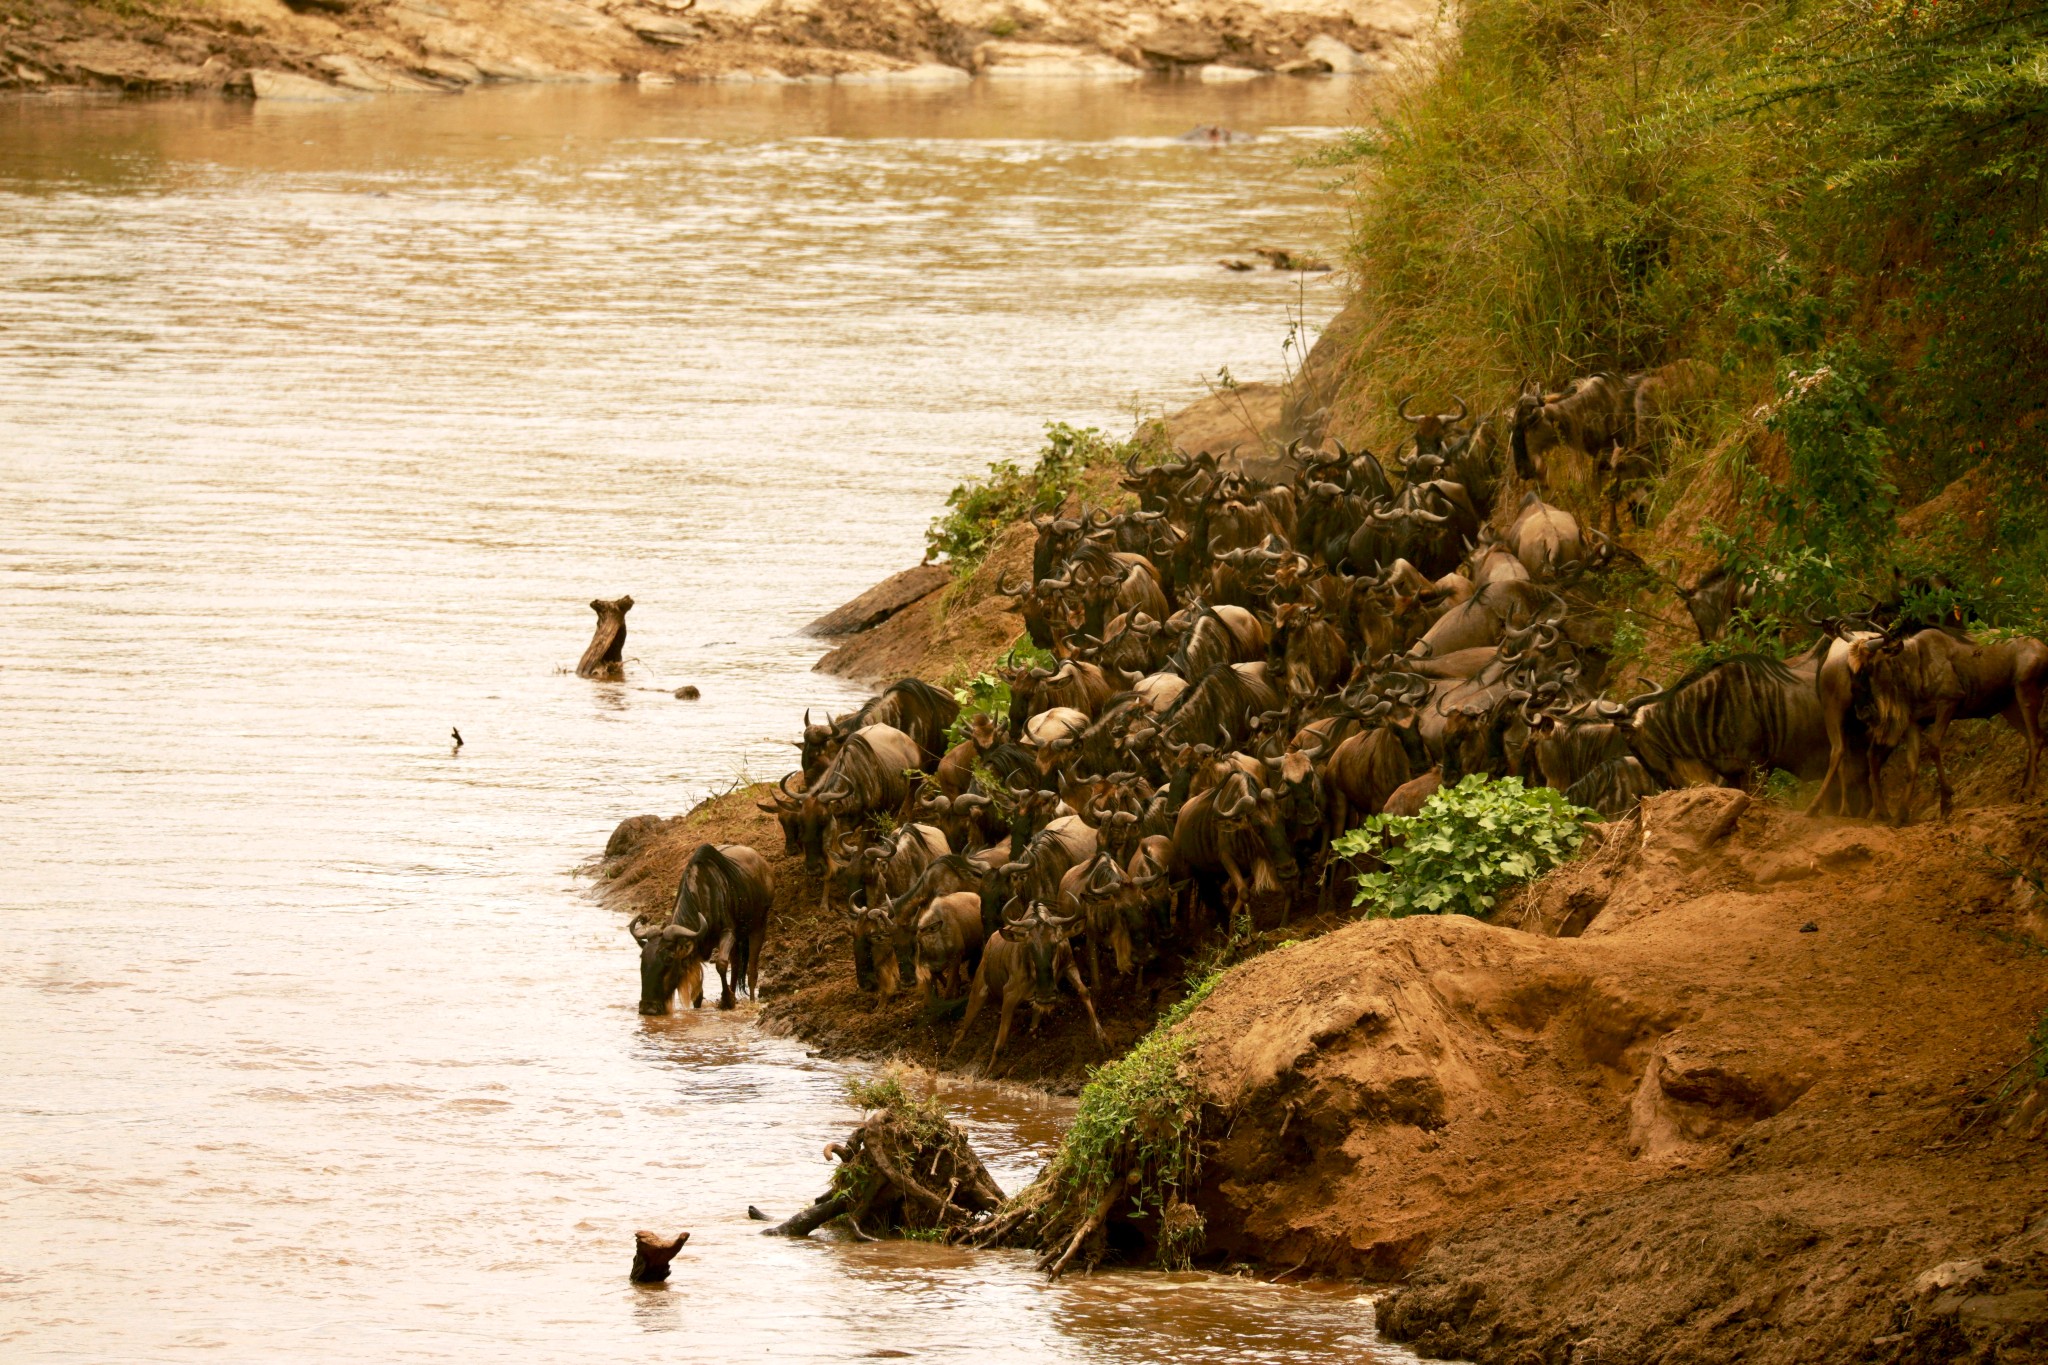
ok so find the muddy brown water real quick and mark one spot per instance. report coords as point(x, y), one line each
point(318, 427)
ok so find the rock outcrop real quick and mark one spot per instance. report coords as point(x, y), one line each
point(288, 49)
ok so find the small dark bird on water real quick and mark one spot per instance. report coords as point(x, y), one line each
point(458, 737)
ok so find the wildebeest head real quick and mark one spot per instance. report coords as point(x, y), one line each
point(802, 821)
point(1245, 809)
point(1716, 598)
point(669, 961)
point(820, 743)
point(1431, 428)
point(1040, 935)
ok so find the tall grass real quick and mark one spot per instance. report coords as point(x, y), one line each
point(1779, 189)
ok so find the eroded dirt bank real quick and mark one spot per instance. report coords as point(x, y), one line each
point(1763, 1097)
point(337, 49)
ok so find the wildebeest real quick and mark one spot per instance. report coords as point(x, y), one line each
point(1432, 427)
point(1234, 829)
point(1713, 601)
point(1590, 418)
point(720, 915)
point(1219, 707)
point(1362, 772)
point(912, 706)
point(949, 944)
point(1935, 677)
point(1544, 538)
point(1725, 722)
point(1027, 961)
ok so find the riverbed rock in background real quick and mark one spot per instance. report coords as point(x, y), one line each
point(604, 659)
point(882, 601)
point(1338, 57)
point(284, 85)
point(354, 73)
point(1010, 60)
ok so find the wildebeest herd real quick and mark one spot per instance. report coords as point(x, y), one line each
point(1256, 656)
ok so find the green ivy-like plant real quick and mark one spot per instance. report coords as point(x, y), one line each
point(1470, 842)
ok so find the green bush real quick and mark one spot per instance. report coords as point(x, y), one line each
point(981, 508)
point(1469, 842)
point(1138, 1112)
point(988, 694)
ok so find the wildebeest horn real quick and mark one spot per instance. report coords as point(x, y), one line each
point(938, 805)
point(1131, 464)
point(967, 803)
point(639, 923)
point(1403, 409)
point(1003, 588)
point(1461, 410)
point(1229, 812)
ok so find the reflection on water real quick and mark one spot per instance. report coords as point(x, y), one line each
point(318, 427)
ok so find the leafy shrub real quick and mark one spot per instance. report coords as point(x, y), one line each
point(988, 694)
point(980, 508)
point(1469, 842)
point(1139, 1112)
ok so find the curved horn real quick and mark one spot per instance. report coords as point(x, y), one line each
point(1461, 410)
point(639, 923)
point(1231, 811)
point(1402, 411)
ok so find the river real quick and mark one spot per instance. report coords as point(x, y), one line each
point(319, 425)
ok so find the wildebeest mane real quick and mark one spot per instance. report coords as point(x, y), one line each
point(713, 901)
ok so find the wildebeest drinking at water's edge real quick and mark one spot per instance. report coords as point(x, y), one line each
point(1265, 654)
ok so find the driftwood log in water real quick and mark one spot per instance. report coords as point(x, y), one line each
point(651, 1254)
point(904, 1170)
point(604, 660)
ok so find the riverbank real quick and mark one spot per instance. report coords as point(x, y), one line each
point(1759, 1103)
point(345, 49)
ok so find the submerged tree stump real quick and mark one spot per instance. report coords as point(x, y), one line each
point(604, 660)
point(905, 1170)
point(651, 1254)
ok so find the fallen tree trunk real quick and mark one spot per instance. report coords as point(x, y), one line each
point(904, 1170)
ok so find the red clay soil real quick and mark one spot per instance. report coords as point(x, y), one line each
point(1768, 1090)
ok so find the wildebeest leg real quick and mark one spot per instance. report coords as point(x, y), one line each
point(1937, 734)
point(1874, 760)
point(1834, 780)
point(1009, 1012)
point(1240, 893)
point(754, 946)
point(2027, 701)
point(1088, 1004)
point(1904, 816)
point(692, 984)
point(1094, 960)
point(977, 996)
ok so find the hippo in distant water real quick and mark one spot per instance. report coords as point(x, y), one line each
point(1214, 135)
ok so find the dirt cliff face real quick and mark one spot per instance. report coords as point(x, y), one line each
point(314, 49)
point(1738, 1118)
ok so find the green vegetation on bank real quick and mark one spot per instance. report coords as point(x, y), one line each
point(1837, 204)
point(978, 510)
point(1469, 843)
